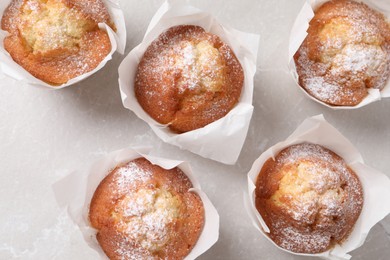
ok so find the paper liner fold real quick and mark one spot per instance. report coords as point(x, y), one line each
point(75, 191)
point(376, 185)
point(118, 43)
point(223, 139)
point(298, 35)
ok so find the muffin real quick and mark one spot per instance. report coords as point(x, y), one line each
point(142, 211)
point(188, 78)
point(309, 198)
point(345, 54)
point(56, 40)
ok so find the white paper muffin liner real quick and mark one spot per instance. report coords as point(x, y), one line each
point(298, 35)
point(376, 185)
point(223, 139)
point(75, 191)
point(118, 43)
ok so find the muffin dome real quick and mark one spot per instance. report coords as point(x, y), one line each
point(346, 53)
point(57, 40)
point(309, 198)
point(142, 211)
point(188, 78)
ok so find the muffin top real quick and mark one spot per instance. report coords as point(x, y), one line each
point(309, 198)
point(346, 52)
point(142, 211)
point(57, 40)
point(188, 78)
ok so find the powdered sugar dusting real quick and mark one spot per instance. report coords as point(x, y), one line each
point(137, 253)
point(313, 78)
point(346, 52)
point(293, 236)
point(147, 217)
point(186, 71)
point(59, 40)
point(148, 212)
point(360, 59)
point(47, 26)
point(95, 10)
point(128, 176)
point(189, 55)
point(318, 199)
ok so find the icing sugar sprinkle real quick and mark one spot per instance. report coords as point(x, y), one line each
point(144, 215)
point(319, 196)
point(186, 70)
point(352, 55)
point(130, 175)
point(62, 37)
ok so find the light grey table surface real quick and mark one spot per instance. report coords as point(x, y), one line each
point(44, 135)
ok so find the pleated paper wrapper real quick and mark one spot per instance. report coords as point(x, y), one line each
point(376, 185)
point(223, 139)
point(75, 191)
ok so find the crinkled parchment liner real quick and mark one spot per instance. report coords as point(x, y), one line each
point(223, 139)
point(75, 192)
point(298, 35)
point(118, 42)
point(376, 185)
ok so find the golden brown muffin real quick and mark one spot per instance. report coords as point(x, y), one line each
point(57, 40)
point(346, 53)
point(188, 78)
point(309, 198)
point(142, 211)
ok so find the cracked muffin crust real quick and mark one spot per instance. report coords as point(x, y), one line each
point(309, 198)
point(142, 211)
point(56, 40)
point(188, 78)
point(346, 53)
